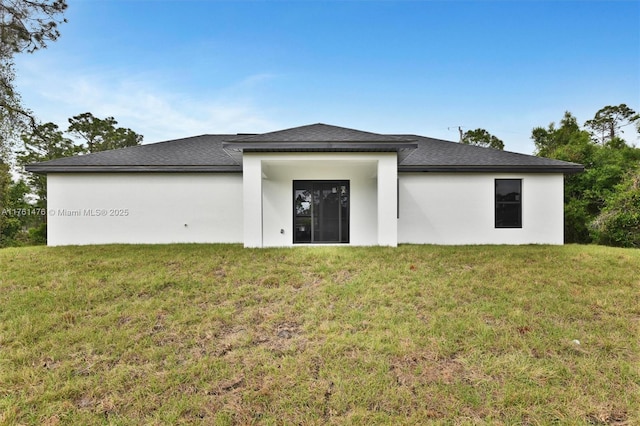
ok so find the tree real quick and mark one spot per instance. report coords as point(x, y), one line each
point(618, 223)
point(101, 135)
point(25, 26)
point(16, 214)
point(28, 25)
point(45, 143)
point(48, 142)
point(549, 140)
point(13, 116)
point(5, 181)
point(608, 122)
point(481, 137)
point(568, 142)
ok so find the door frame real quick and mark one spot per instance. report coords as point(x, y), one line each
point(342, 238)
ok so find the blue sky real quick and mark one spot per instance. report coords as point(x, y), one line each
point(170, 69)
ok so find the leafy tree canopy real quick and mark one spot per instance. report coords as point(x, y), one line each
point(47, 142)
point(28, 25)
point(481, 137)
point(102, 134)
point(618, 224)
point(608, 122)
point(13, 117)
point(568, 133)
point(25, 26)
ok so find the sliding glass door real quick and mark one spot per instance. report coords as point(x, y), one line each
point(321, 211)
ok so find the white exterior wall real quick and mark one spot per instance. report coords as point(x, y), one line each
point(370, 223)
point(459, 208)
point(435, 208)
point(144, 208)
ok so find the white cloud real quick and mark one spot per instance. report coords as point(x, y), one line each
point(141, 102)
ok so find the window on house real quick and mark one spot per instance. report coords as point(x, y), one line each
point(508, 203)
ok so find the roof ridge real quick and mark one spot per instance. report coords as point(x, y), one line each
point(320, 132)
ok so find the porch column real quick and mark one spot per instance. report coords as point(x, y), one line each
point(252, 200)
point(388, 199)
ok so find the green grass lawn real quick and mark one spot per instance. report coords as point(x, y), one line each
point(218, 334)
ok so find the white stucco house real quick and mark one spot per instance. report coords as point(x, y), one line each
point(315, 184)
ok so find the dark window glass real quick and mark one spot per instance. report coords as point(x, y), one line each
point(508, 203)
point(321, 211)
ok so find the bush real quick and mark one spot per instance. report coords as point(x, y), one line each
point(576, 218)
point(38, 234)
point(9, 231)
point(618, 224)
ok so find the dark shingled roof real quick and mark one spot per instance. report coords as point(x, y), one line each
point(321, 138)
point(439, 155)
point(195, 154)
point(223, 153)
point(321, 133)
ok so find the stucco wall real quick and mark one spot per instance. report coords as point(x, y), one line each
point(371, 223)
point(434, 208)
point(459, 208)
point(144, 208)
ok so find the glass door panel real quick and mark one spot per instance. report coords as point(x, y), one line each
point(302, 204)
point(321, 211)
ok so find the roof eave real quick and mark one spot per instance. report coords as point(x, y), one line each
point(568, 169)
point(307, 146)
point(43, 169)
point(236, 149)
